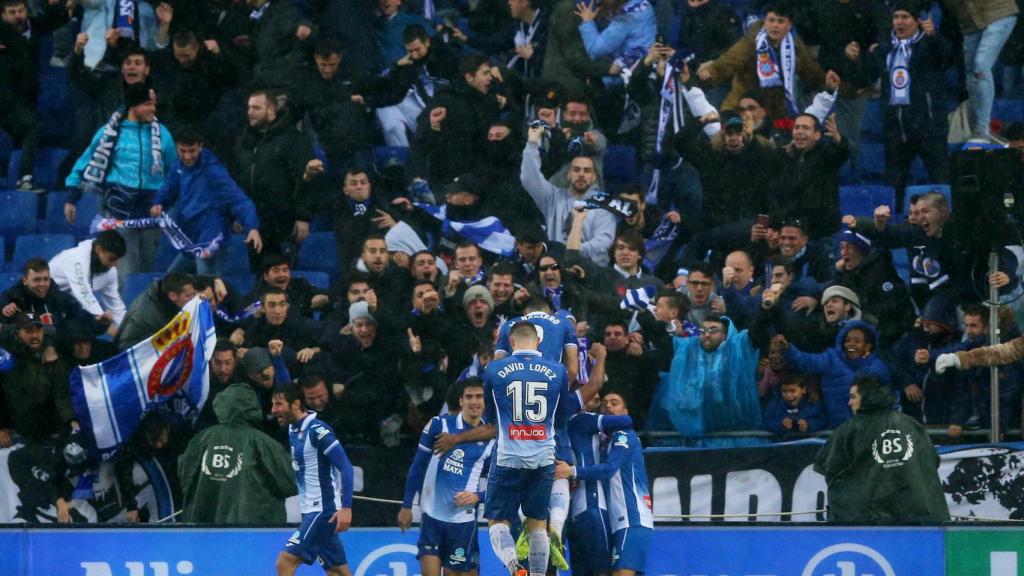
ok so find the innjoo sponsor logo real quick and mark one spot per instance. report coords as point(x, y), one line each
point(527, 433)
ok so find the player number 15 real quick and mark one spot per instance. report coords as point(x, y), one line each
point(535, 403)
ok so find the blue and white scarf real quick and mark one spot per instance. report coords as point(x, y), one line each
point(671, 108)
point(898, 65)
point(488, 233)
point(125, 19)
point(257, 14)
point(555, 295)
point(95, 173)
point(772, 73)
point(524, 36)
point(177, 237)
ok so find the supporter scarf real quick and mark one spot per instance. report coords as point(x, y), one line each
point(97, 169)
point(358, 208)
point(170, 229)
point(524, 36)
point(240, 316)
point(257, 14)
point(604, 200)
point(555, 295)
point(658, 244)
point(768, 65)
point(428, 10)
point(898, 65)
point(671, 108)
point(583, 360)
point(478, 278)
point(125, 18)
point(638, 7)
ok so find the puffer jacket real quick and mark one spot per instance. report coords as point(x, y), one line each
point(132, 158)
point(837, 371)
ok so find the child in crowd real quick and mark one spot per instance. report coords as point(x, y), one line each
point(795, 411)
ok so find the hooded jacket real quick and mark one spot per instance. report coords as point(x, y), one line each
point(882, 293)
point(150, 312)
point(208, 199)
point(37, 398)
point(881, 467)
point(837, 371)
point(131, 160)
point(54, 310)
point(232, 473)
point(71, 271)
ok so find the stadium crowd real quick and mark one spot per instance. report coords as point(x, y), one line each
point(364, 191)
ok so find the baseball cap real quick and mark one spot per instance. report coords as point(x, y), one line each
point(25, 320)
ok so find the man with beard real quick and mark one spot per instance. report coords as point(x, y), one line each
point(356, 213)
point(21, 37)
point(579, 136)
point(700, 289)
point(88, 272)
point(274, 165)
point(277, 273)
point(223, 368)
point(557, 204)
point(37, 397)
point(450, 134)
point(35, 296)
point(389, 281)
point(426, 67)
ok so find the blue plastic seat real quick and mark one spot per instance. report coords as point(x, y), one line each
point(943, 189)
point(87, 208)
point(319, 253)
point(8, 279)
point(862, 200)
point(38, 245)
point(44, 172)
point(137, 283)
point(871, 123)
point(17, 214)
point(620, 163)
point(241, 283)
point(384, 154)
point(319, 279)
point(1008, 110)
point(872, 160)
point(237, 257)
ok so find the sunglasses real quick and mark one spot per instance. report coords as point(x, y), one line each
point(712, 330)
point(548, 267)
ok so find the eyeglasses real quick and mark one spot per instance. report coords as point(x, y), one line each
point(795, 222)
point(712, 330)
point(548, 267)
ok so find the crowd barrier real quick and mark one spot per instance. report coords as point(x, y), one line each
point(675, 551)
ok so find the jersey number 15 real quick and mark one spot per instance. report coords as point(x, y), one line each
point(528, 396)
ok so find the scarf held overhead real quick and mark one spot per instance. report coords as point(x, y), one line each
point(177, 237)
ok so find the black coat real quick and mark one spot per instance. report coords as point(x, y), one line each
point(808, 185)
point(925, 116)
point(19, 57)
point(840, 23)
point(882, 295)
point(189, 95)
point(279, 53)
point(269, 167)
point(709, 30)
point(55, 310)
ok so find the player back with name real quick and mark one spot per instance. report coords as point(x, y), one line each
point(524, 395)
point(555, 332)
point(321, 486)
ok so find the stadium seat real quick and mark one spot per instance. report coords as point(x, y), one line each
point(54, 223)
point(871, 124)
point(6, 147)
point(165, 255)
point(8, 279)
point(42, 245)
point(241, 283)
point(620, 163)
point(44, 173)
point(384, 154)
point(862, 200)
point(872, 161)
point(17, 214)
point(901, 263)
point(944, 189)
point(237, 258)
point(321, 223)
point(137, 283)
point(318, 279)
point(319, 253)
point(1008, 110)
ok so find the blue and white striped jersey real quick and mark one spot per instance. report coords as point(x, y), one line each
point(525, 395)
point(585, 433)
point(322, 470)
point(629, 495)
point(555, 332)
point(439, 478)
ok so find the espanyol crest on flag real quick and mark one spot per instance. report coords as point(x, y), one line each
point(110, 398)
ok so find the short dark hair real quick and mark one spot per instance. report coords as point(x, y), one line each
point(356, 168)
point(225, 345)
point(184, 38)
point(422, 252)
point(780, 8)
point(422, 282)
point(292, 392)
point(111, 241)
point(201, 282)
point(702, 267)
point(357, 277)
point(273, 291)
point(311, 380)
point(784, 261)
point(866, 383)
point(176, 282)
point(977, 310)
point(270, 96)
point(501, 269)
point(272, 259)
point(632, 238)
point(471, 382)
point(619, 323)
point(538, 303)
point(35, 265)
point(794, 380)
point(577, 99)
point(413, 33)
point(8, 3)
point(327, 47)
point(633, 189)
point(814, 120)
point(470, 244)
point(531, 234)
point(188, 134)
point(676, 300)
point(621, 392)
point(371, 236)
point(523, 328)
point(471, 63)
point(134, 49)
point(718, 319)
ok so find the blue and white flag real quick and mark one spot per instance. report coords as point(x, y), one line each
point(110, 398)
point(487, 233)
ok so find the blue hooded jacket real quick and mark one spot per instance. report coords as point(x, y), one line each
point(837, 371)
point(712, 391)
point(208, 199)
point(132, 158)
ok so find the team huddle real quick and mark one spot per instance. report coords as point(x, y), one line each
point(532, 435)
